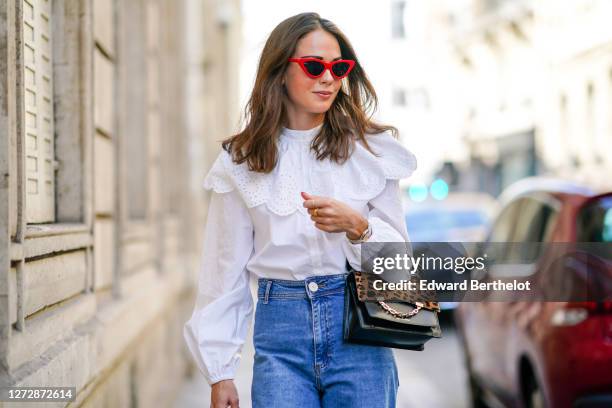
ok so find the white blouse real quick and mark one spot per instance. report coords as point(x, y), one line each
point(257, 225)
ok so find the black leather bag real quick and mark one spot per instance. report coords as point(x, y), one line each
point(400, 322)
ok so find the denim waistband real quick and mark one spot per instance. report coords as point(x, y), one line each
point(313, 286)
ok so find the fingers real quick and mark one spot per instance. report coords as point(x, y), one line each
point(328, 211)
point(316, 202)
point(323, 216)
point(325, 227)
point(321, 219)
point(317, 212)
point(224, 394)
point(233, 402)
point(322, 211)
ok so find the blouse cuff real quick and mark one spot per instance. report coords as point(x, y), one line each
point(381, 232)
point(208, 359)
point(230, 375)
point(224, 372)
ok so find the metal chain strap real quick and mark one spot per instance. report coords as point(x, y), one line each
point(400, 315)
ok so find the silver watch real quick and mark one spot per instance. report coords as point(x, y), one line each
point(367, 233)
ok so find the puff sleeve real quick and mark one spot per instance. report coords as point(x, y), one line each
point(386, 215)
point(217, 329)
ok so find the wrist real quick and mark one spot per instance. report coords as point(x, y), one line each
point(359, 227)
point(221, 382)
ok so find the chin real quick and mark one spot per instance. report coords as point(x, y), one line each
point(323, 107)
point(318, 108)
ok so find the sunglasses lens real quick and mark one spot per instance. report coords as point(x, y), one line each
point(314, 68)
point(341, 68)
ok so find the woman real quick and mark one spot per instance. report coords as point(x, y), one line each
point(295, 194)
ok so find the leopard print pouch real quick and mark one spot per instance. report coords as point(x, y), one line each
point(366, 292)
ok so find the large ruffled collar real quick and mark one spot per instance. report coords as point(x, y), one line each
point(361, 178)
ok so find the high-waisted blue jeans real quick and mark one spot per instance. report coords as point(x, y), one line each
point(301, 359)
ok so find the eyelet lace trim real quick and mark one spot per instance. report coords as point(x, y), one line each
point(362, 177)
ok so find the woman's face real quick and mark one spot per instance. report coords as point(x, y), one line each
point(305, 92)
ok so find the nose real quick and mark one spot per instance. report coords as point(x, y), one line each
point(327, 76)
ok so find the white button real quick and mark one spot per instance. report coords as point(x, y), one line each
point(313, 286)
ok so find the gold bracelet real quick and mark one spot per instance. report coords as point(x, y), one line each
point(367, 233)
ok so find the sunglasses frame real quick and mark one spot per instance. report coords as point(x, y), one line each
point(326, 65)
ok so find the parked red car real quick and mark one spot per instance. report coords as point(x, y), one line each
point(543, 354)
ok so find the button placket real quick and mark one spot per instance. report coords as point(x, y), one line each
point(313, 247)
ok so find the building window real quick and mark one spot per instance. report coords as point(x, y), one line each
point(397, 19)
point(398, 97)
point(565, 131)
point(492, 5)
point(564, 120)
point(590, 117)
point(38, 114)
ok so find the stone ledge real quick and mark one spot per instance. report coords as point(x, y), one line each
point(59, 228)
point(46, 239)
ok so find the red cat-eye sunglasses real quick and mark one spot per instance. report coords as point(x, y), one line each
point(314, 67)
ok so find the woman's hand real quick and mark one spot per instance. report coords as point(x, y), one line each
point(224, 394)
point(334, 216)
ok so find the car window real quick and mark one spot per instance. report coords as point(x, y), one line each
point(595, 221)
point(502, 231)
point(550, 225)
point(534, 225)
point(525, 229)
point(535, 221)
point(503, 227)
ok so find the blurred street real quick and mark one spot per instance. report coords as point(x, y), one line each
point(435, 377)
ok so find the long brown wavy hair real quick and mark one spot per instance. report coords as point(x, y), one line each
point(348, 118)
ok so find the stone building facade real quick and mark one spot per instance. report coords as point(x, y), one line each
point(511, 88)
point(538, 81)
point(109, 115)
